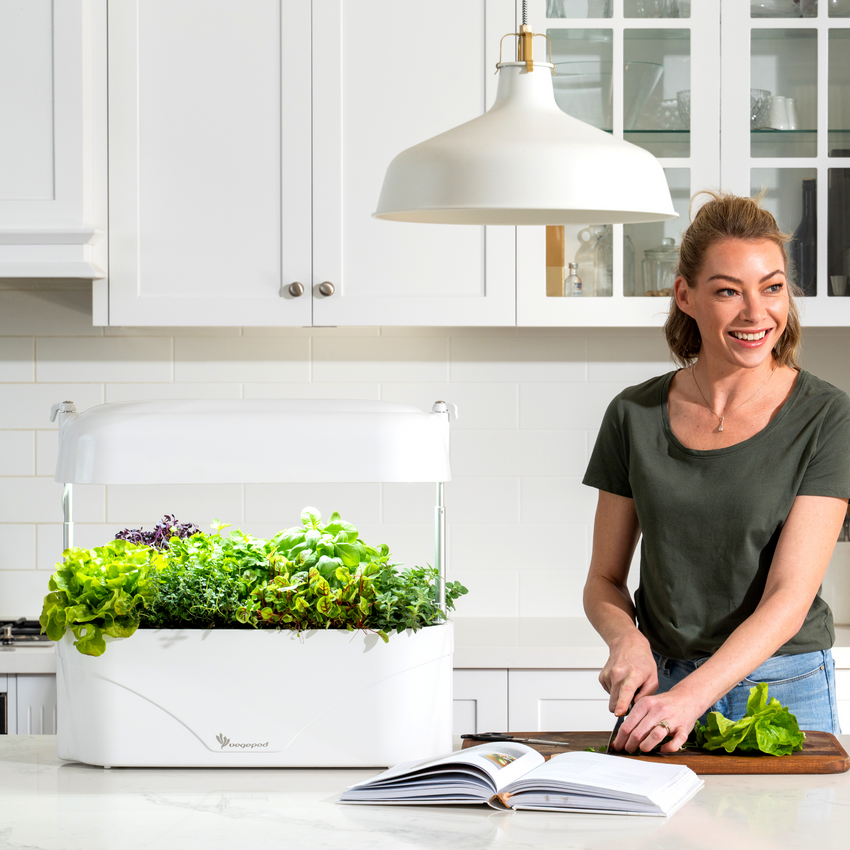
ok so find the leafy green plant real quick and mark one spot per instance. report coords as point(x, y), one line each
point(768, 727)
point(100, 591)
point(207, 578)
point(326, 577)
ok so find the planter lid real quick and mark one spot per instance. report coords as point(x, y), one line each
point(225, 441)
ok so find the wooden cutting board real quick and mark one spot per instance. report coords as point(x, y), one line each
point(822, 753)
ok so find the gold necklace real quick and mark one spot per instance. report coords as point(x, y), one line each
point(722, 418)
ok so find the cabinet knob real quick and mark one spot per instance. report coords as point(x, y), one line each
point(296, 289)
point(327, 288)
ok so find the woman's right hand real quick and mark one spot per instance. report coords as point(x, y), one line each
point(630, 672)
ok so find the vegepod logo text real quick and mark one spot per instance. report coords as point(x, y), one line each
point(226, 742)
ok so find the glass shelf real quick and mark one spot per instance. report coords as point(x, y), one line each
point(783, 143)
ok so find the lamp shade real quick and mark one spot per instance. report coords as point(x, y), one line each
point(525, 162)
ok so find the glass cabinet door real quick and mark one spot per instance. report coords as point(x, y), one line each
point(785, 121)
point(625, 66)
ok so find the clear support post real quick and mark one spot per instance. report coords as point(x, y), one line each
point(67, 516)
point(440, 544)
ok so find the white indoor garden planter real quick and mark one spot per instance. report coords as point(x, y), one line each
point(256, 697)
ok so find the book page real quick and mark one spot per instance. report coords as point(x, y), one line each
point(499, 762)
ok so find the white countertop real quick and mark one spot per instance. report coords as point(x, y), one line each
point(47, 804)
point(480, 643)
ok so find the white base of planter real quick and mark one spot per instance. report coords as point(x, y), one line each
point(254, 698)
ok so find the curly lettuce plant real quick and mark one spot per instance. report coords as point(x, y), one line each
point(100, 591)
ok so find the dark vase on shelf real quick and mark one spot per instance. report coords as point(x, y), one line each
point(803, 247)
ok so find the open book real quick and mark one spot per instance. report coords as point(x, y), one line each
point(513, 776)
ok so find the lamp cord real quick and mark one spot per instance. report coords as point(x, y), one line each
point(525, 12)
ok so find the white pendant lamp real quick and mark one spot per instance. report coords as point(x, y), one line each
point(525, 162)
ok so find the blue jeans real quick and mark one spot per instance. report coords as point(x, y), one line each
point(805, 683)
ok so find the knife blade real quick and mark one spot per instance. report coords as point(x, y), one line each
point(617, 726)
point(501, 736)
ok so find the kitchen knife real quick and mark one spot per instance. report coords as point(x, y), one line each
point(617, 726)
point(501, 736)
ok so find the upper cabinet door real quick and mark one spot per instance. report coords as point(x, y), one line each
point(386, 76)
point(649, 74)
point(209, 153)
point(52, 107)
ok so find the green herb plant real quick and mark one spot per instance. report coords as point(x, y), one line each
point(326, 577)
point(207, 578)
point(100, 591)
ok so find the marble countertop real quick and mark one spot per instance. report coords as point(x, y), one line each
point(47, 804)
point(480, 643)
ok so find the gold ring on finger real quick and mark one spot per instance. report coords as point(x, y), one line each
point(666, 725)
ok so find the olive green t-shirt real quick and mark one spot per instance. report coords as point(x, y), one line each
point(710, 520)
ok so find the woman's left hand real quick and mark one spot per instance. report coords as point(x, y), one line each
point(643, 727)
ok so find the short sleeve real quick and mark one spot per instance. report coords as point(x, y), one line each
point(608, 468)
point(828, 470)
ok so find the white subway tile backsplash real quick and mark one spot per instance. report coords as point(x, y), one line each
point(17, 453)
point(17, 359)
point(281, 504)
point(632, 359)
point(490, 594)
point(381, 359)
point(49, 542)
point(517, 453)
point(153, 392)
point(518, 359)
point(24, 500)
point(568, 406)
point(146, 504)
point(142, 359)
point(46, 452)
point(241, 359)
point(551, 593)
point(557, 500)
point(22, 593)
point(530, 403)
point(480, 406)
point(47, 313)
point(17, 546)
point(505, 546)
point(301, 390)
point(483, 500)
point(28, 405)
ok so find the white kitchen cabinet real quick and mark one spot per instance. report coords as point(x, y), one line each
point(388, 75)
point(805, 59)
point(209, 163)
point(624, 52)
point(557, 700)
point(480, 701)
point(52, 143)
point(30, 703)
point(247, 148)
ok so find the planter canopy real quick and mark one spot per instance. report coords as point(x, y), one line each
point(226, 441)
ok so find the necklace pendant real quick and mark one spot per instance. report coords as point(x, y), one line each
point(722, 418)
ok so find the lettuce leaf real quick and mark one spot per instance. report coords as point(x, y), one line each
point(100, 591)
point(767, 727)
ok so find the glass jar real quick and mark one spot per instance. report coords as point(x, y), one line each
point(659, 268)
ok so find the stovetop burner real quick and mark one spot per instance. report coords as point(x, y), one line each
point(21, 632)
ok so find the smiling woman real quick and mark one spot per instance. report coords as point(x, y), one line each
point(735, 471)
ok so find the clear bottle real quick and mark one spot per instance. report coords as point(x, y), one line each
point(572, 282)
point(604, 257)
point(803, 247)
point(585, 259)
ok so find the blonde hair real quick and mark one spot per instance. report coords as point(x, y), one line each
point(727, 216)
